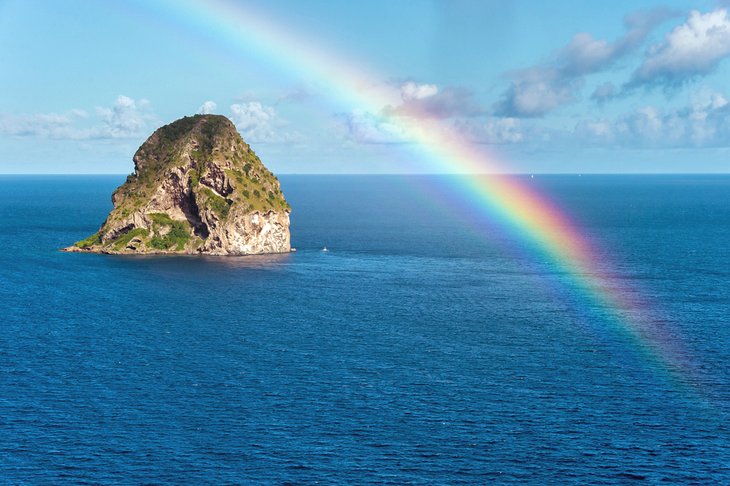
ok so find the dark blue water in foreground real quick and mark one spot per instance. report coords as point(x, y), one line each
point(425, 347)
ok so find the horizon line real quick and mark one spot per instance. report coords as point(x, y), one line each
point(484, 174)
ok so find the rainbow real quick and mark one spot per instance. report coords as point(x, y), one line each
point(501, 197)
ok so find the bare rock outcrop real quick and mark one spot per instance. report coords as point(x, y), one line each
point(197, 188)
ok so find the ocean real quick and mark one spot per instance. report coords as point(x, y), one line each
point(429, 345)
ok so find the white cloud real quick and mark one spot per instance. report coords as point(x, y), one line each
point(260, 123)
point(704, 122)
point(494, 130)
point(254, 120)
point(368, 128)
point(645, 126)
point(535, 92)
point(45, 125)
point(693, 48)
point(585, 54)
point(547, 86)
point(364, 127)
point(647, 123)
point(126, 118)
point(429, 101)
point(596, 130)
point(413, 91)
point(708, 117)
point(504, 130)
point(207, 108)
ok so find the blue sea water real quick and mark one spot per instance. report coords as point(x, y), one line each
point(428, 346)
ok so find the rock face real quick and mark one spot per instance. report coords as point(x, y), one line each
point(197, 188)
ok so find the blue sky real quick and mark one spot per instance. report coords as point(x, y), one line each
point(558, 86)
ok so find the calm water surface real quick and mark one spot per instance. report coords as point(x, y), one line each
point(427, 346)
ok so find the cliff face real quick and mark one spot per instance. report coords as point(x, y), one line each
point(197, 187)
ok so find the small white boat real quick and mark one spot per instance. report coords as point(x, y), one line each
point(325, 249)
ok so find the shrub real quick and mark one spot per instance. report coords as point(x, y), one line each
point(178, 236)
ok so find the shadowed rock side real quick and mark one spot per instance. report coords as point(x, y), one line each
point(197, 187)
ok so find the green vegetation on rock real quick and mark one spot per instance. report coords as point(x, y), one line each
point(160, 218)
point(92, 240)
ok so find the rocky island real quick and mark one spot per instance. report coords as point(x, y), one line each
point(197, 188)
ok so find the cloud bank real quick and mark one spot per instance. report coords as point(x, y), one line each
point(704, 122)
point(125, 118)
point(694, 48)
point(541, 89)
